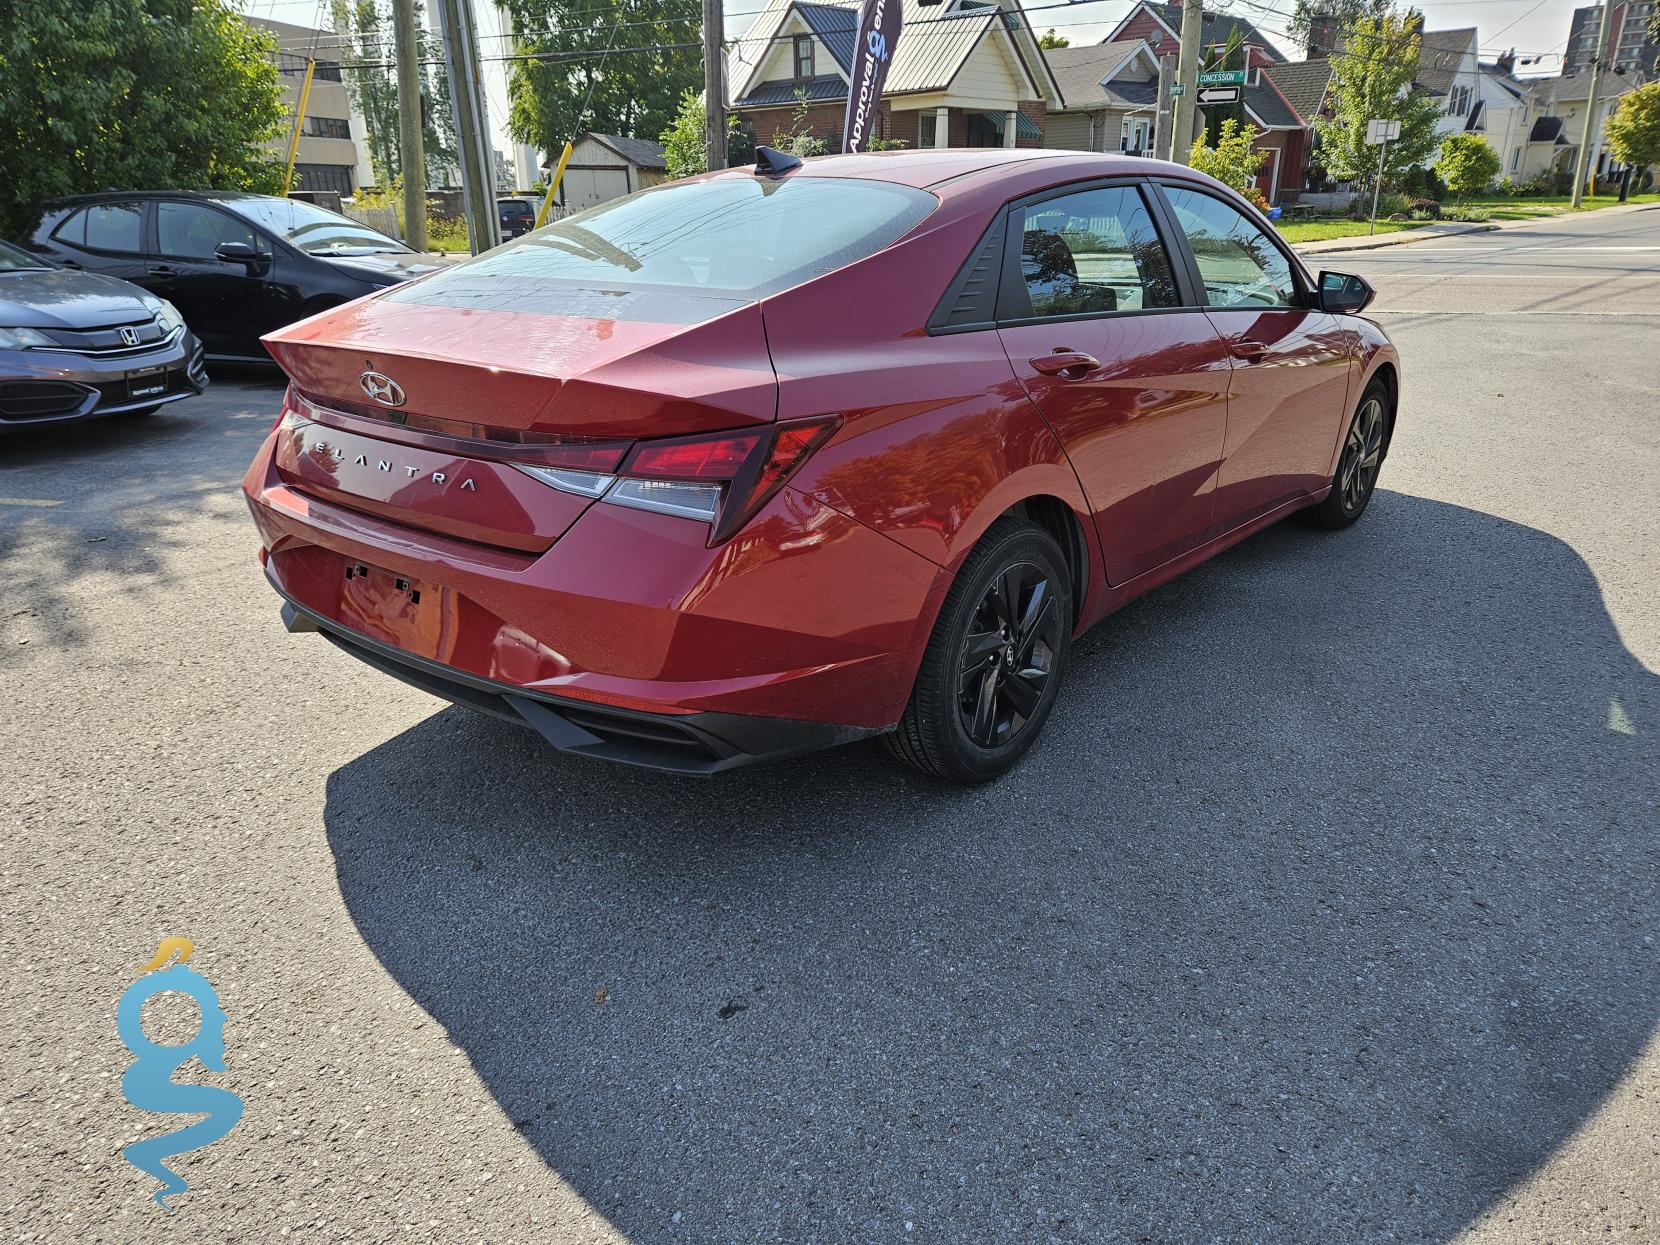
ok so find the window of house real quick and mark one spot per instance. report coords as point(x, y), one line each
point(1239, 265)
point(803, 57)
point(926, 133)
point(1093, 252)
point(327, 127)
point(1458, 101)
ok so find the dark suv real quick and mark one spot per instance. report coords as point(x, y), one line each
point(517, 217)
point(236, 265)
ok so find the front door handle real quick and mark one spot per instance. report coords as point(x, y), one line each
point(1245, 348)
point(162, 270)
point(1067, 364)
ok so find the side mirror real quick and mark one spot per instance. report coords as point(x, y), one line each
point(1345, 294)
point(237, 253)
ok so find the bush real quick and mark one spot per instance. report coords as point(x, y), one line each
point(1388, 205)
point(1422, 183)
point(1257, 199)
point(1424, 209)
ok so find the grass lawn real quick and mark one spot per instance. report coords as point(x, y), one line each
point(1534, 207)
point(1320, 230)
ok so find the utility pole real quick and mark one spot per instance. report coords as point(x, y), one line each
point(714, 83)
point(1161, 115)
point(472, 127)
point(1582, 158)
point(1187, 77)
point(411, 145)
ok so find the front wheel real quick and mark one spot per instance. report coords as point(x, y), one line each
point(993, 665)
point(1358, 464)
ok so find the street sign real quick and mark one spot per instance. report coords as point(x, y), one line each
point(1218, 95)
point(1380, 132)
point(1223, 77)
point(1176, 88)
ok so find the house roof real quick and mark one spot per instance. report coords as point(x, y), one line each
point(1085, 74)
point(1440, 54)
point(936, 43)
point(817, 90)
point(643, 153)
point(1263, 102)
point(835, 29)
point(1218, 27)
point(1546, 130)
point(1304, 85)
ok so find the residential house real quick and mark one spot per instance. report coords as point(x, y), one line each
point(1558, 108)
point(1449, 68)
point(1282, 134)
point(330, 156)
point(1111, 95)
point(608, 166)
point(1305, 86)
point(1503, 114)
point(965, 74)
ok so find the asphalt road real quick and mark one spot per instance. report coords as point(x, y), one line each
point(1326, 911)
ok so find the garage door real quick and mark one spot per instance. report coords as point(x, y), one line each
point(583, 188)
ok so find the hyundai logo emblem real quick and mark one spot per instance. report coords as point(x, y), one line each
point(382, 388)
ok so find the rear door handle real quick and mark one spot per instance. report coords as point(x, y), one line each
point(1245, 348)
point(1067, 364)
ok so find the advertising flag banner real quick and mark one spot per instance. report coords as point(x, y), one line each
point(880, 22)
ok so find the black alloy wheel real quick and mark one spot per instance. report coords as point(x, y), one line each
point(995, 660)
point(1008, 655)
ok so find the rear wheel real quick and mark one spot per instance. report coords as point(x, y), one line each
point(1358, 463)
point(994, 663)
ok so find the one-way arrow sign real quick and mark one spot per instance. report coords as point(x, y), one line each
point(1219, 95)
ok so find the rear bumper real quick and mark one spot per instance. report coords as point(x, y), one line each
point(685, 743)
point(49, 387)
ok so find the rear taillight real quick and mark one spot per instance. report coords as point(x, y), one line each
point(721, 479)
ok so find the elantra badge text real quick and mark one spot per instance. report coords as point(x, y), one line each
point(440, 478)
point(382, 388)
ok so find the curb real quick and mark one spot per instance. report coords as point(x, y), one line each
point(1400, 238)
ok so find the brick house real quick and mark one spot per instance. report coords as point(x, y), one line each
point(964, 75)
point(1281, 131)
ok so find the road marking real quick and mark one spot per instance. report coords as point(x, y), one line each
point(1453, 311)
point(29, 501)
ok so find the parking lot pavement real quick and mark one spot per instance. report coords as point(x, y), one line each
point(1325, 911)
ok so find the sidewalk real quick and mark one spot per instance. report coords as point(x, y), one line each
point(1449, 229)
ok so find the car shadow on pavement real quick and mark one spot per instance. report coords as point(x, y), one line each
point(1323, 912)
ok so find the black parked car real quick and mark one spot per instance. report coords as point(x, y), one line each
point(236, 265)
point(74, 345)
point(517, 217)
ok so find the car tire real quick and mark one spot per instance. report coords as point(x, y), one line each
point(992, 669)
point(1365, 443)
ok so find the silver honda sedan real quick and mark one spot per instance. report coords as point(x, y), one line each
point(74, 345)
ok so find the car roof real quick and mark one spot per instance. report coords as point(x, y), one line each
point(108, 196)
point(936, 169)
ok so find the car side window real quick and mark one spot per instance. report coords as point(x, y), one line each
point(1094, 251)
point(1238, 263)
point(193, 231)
point(115, 227)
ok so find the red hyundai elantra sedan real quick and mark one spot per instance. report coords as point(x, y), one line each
point(784, 456)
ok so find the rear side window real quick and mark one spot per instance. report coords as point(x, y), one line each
point(1092, 252)
point(114, 227)
point(736, 239)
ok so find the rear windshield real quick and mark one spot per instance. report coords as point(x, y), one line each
point(662, 254)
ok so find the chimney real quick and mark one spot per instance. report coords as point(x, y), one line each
point(1325, 36)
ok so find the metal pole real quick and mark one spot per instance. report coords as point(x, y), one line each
point(411, 140)
point(1187, 73)
point(553, 186)
point(1376, 187)
point(1582, 158)
point(714, 84)
point(299, 120)
point(1162, 128)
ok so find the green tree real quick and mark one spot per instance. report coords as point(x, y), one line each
point(630, 61)
point(685, 150)
point(1467, 163)
point(366, 50)
point(1230, 160)
point(1230, 56)
point(1633, 132)
point(1049, 40)
point(1373, 80)
point(1341, 14)
point(132, 93)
